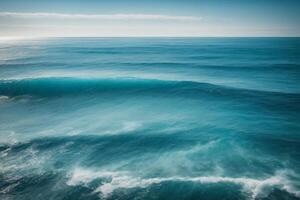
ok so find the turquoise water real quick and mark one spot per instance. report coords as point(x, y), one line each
point(150, 118)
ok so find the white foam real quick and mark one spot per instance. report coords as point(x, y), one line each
point(81, 176)
point(126, 127)
point(122, 180)
point(10, 138)
point(4, 99)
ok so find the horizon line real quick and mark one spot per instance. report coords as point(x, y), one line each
point(41, 37)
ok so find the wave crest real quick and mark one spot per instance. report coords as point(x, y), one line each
point(58, 86)
point(123, 180)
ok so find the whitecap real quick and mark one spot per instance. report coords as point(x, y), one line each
point(4, 98)
point(82, 176)
point(123, 180)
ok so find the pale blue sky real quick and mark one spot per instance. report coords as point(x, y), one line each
point(33, 18)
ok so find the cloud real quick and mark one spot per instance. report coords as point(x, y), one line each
point(99, 16)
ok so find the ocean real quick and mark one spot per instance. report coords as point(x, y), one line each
point(150, 118)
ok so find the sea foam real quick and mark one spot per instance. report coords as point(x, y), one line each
point(123, 180)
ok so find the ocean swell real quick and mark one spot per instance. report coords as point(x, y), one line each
point(61, 86)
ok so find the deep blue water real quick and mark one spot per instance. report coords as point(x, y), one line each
point(150, 118)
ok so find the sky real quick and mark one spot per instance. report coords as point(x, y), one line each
point(125, 18)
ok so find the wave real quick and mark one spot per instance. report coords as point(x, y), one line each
point(163, 65)
point(4, 98)
point(122, 180)
point(58, 86)
point(43, 155)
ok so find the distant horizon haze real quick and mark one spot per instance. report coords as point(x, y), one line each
point(132, 18)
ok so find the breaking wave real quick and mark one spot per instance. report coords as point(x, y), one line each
point(123, 180)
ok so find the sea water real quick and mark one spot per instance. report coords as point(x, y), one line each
point(150, 118)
